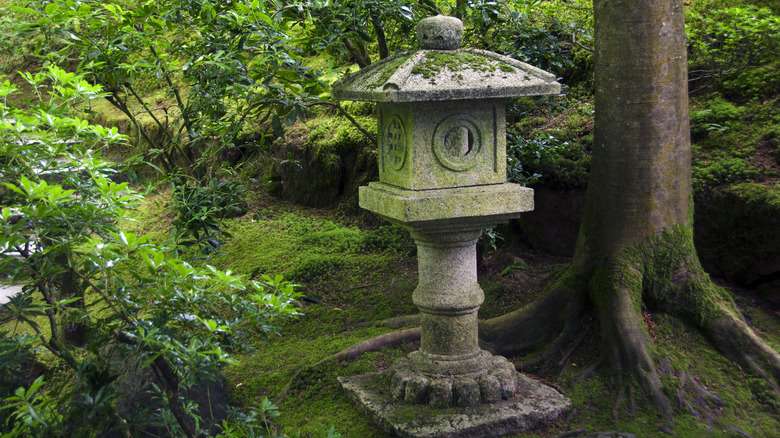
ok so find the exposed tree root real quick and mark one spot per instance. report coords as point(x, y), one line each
point(681, 288)
point(585, 374)
point(702, 404)
point(617, 294)
point(562, 363)
point(538, 322)
point(567, 335)
point(741, 432)
point(399, 321)
point(738, 341)
point(355, 350)
point(663, 275)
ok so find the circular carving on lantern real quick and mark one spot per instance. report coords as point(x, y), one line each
point(394, 155)
point(457, 142)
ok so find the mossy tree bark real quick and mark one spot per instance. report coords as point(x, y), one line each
point(635, 248)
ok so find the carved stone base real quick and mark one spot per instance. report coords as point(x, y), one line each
point(533, 406)
point(496, 380)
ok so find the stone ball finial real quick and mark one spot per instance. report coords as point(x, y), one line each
point(440, 33)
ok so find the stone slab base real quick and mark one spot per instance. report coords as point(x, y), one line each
point(535, 405)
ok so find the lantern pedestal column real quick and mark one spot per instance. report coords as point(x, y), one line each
point(450, 369)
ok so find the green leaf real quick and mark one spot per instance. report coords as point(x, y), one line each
point(63, 303)
point(265, 18)
point(25, 10)
point(51, 8)
point(84, 9)
point(15, 189)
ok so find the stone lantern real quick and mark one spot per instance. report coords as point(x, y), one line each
point(442, 176)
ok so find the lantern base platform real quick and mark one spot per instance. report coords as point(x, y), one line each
point(534, 405)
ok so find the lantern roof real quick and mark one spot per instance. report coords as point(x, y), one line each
point(439, 71)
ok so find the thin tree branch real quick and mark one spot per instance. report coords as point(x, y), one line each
point(356, 53)
point(121, 313)
point(381, 39)
point(348, 116)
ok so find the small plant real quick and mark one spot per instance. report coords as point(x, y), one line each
point(200, 209)
point(718, 117)
point(717, 171)
point(490, 239)
point(515, 266)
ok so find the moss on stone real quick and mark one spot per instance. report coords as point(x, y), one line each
point(389, 67)
point(319, 161)
point(436, 61)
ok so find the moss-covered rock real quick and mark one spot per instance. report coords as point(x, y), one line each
point(322, 160)
point(737, 231)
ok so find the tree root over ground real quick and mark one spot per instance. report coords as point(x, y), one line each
point(354, 351)
point(664, 276)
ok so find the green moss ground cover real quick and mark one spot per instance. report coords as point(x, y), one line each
point(356, 276)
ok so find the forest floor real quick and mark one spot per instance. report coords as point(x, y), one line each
point(361, 273)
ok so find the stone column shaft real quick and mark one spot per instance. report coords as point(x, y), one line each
point(448, 297)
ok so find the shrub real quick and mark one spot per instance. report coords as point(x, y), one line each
point(200, 209)
point(516, 30)
point(547, 160)
point(718, 117)
point(60, 241)
point(735, 47)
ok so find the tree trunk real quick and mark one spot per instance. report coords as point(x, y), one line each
point(640, 182)
point(635, 245)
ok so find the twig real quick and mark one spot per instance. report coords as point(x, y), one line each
point(583, 47)
point(362, 287)
point(559, 116)
point(348, 116)
point(321, 102)
point(584, 375)
point(741, 432)
point(104, 295)
point(575, 432)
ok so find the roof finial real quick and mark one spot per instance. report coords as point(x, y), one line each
point(440, 33)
